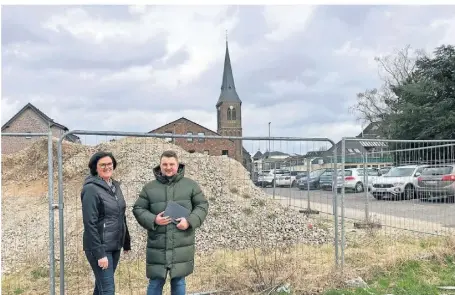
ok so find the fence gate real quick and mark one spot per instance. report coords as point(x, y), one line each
point(260, 213)
point(24, 243)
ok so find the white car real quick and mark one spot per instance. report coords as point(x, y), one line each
point(399, 182)
point(287, 179)
point(269, 177)
point(354, 179)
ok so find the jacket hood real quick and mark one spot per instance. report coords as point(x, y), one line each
point(164, 179)
point(97, 181)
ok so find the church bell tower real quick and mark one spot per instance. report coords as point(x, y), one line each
point(229, 108)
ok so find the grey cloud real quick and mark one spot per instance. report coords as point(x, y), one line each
point(307, 57)
point(17, 33)
point(68, 53)
point(354, 16)
point(251, 27)
point(179, 57)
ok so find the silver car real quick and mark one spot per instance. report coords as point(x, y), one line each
point(398, 183)
point(437, 182)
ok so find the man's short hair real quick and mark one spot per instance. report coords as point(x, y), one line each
point(169, 154)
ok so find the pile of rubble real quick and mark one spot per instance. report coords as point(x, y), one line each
point(240, 216)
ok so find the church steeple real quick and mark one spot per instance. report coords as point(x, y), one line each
point(228, 92)
point(229, 107)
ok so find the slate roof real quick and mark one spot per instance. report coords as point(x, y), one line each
point(228, 91)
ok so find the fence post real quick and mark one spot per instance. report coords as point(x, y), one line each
point(51, 214)
point(367, 202)
point(335, 205)
point(274, 180)
point(60, 215)
point(343, 160)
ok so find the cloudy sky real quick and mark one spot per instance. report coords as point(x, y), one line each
point(136, 68)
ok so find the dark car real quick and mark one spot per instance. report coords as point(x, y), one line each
point(313, 180)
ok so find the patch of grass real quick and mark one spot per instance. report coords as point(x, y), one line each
point(234, 190)
point(307, 269)
point(261, 203)
point(415, 277)
point(39, 272)
point(247, 211)
point(246, 196)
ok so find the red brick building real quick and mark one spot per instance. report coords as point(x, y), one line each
point(213, 147)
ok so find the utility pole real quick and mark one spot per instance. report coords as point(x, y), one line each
point(269, 138)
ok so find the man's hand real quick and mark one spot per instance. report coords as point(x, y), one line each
point(162, 220)
point(183, 223)
point(103, 263)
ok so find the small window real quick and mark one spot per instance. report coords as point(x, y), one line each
point(350, 150)
point(189, 139)
point(201, 139)
point(224, 152)
point(357, 151)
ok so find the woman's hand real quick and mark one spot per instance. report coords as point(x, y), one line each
point(103, 263)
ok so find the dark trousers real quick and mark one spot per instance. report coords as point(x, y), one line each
point(178, 286)
point(104, 278)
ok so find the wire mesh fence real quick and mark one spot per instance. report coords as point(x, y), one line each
point(27, 212)
point(250, 233)
point(402, 190)
point(273, 217)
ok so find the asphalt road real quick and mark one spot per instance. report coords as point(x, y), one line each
point(441, 213)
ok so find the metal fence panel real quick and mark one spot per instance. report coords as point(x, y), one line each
point(28, 171)
point(391, 184)
point(254, 237)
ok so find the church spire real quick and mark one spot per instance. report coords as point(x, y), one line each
point(228, 92)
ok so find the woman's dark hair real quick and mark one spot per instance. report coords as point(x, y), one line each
point(96, 157)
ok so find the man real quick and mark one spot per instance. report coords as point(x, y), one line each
point(170, 247)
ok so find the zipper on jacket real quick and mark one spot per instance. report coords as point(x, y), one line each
point(104, 229)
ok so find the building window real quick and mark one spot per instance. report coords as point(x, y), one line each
point(231, 114)
point(206, 152)
point(224, 152)
point(168, 139)
point(201, 139)
point(189, 139)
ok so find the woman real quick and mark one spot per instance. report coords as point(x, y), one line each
point(103, 214)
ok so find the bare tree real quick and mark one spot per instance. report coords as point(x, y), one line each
point(374, 104)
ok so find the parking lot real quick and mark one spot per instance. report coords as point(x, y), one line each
point(439, 213)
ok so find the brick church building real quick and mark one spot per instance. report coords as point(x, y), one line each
point(229, 123)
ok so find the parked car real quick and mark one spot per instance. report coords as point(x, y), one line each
point(300, 174)
point(287, 179)
point(312, 179)
point(268, 177)
point(384, 170)
point(437, 182)
point(326, 179)
point(399, 183)
point(354, 179)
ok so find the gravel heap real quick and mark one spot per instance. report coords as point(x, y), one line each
point(240, 216)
